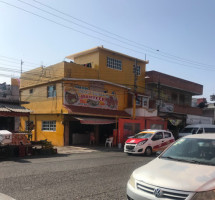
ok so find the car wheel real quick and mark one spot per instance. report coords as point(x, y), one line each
point(129, 154)
point(148, 151)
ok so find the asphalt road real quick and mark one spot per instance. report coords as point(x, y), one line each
point(95, 175)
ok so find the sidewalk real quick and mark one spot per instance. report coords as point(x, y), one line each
point(86, 149)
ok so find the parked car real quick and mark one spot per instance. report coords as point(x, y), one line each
point(184, 171)
point(197, 129)
point(148, 141)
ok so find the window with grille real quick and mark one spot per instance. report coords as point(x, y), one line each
point(49, 125)
point(137, 70)
point(114, 63)
point(51, 91)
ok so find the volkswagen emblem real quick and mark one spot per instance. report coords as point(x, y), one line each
point(158, 192)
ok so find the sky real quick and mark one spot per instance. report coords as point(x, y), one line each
point(176, 36)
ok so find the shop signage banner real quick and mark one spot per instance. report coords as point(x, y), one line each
point(89, 98)
point(194, 119)
point(166, 107)
point(175, 122)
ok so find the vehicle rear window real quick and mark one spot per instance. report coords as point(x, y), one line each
point(143, 135)
point(209, 130)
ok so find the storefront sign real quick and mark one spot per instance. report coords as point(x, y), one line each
point(89, 98)
point(194, 119)
point(175, 122)
point(166, 107)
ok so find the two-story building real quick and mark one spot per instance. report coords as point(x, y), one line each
point(172, 97)
point(66, 107)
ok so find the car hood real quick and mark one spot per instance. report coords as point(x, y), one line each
point(5, 197)
point(135, 140)
point(177, 175)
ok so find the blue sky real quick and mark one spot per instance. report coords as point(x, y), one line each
point(177, 37)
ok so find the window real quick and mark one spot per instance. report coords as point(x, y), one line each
point(114, 63)
point(137, 70)
point(156, 126)
point(141, 101)
point(182, 99)
point(31, 91)
point(167, 135)
point(138, 100)
point(87, 65)
point(209, 130)
point(174, 98)
point(200, 131)
point(158, 136)
point(49, 125)
point(145, 102)
point(29, 124)
point(51, 91)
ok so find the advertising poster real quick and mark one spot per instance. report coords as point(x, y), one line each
point(88, 98)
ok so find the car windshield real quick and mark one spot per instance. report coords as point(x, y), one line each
point(189, 130)
point(143, 135)
point(200, 151)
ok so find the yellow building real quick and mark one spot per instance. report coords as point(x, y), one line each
point(113, 66)
point(70, 100)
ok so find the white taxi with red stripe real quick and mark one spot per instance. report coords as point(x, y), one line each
point(148, 141)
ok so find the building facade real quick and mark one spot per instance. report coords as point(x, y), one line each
point(67, 110)
point(172, 97)
point(10, 109)
point(96, 91)
point(112, 66)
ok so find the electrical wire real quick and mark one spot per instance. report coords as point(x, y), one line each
point(92, 36)
point(10, 58)
point(121, 37)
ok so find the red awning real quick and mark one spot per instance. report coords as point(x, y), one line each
point(95, 121)
point(81, 110)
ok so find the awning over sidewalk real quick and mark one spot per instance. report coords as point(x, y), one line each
point(81, 110)
point(13, 110)
point(95, 121)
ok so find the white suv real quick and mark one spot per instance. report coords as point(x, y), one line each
point(148, 141)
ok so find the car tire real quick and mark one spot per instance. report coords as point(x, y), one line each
point(148, 151)
point(129, 154)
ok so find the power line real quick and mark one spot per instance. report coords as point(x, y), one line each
point(18, 60)
point(91, 35)
point(154, 50)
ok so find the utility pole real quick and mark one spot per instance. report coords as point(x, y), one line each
point(21, 65)
point(159, 100)
point(135, 89)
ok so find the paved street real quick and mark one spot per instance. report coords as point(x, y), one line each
point(84, 175)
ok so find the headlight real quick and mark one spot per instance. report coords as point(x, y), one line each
point(141, 143)
point(132, 181)
point(209, 195)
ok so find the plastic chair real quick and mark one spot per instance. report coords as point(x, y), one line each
point(109, 142)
